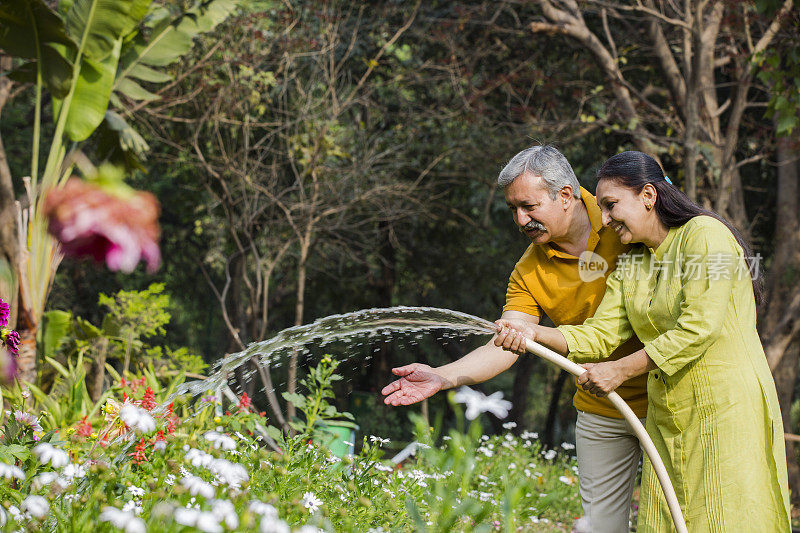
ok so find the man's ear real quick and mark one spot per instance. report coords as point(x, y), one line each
point(566, 195)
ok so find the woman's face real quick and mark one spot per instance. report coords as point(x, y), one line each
point(625, 211)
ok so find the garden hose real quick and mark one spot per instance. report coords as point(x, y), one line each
point(636, 425)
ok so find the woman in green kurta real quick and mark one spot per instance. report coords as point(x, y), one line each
point(688, 294)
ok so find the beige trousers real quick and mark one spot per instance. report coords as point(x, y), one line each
point(608, 458)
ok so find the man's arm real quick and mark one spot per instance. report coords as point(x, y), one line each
point(486, 362)
point(418, 382)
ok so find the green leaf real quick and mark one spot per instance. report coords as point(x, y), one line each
point(786, 123)
point(90, 99)
point(29, 29)
point(274, 433)
point(18, 451)
point(58, 366)
point(57, 325)
point(295, 399)
point(110, 326)
point(168, 40)
point(85, 329)
point(145, 73)
point(97, 25)
point(134, 91)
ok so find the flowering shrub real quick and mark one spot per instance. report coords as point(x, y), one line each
point(9, 346)
point(140, 462)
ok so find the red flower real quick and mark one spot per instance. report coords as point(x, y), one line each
point(149, 399)
point(118, 229)
point(138, 454)
point(244, 403)
point(84, 428)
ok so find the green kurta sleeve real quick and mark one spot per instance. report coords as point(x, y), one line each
point(604, 332)
point(710, 259)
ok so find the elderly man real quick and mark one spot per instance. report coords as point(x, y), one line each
point(563, 274)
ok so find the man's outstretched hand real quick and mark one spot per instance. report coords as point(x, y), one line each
point(417, 382)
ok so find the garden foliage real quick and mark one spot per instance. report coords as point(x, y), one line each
point(145, 459)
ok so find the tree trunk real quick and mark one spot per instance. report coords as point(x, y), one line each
point(299, 309)
point(100, 370)
point(26, 359)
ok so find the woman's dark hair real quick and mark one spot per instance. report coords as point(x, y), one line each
point(634, 170)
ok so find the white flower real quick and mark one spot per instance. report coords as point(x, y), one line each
point(27, 419)
point(311, 502)
point(136, 525)
point(123, 519)
point(197, 486)
point(549, 455)
point(47, 478)
point(202, 520)
point(273, 525)
point(263, 509)
point(132, 506)
point(137, 418)
point(309, 529)
point(36, 505)
point(510, 425)
point(231, 473)
point(220, 441)
point(198, 457)
point(47, 453)
point(567, 446)
point(72, 471)
point(379, 440)
point(478, 403)
point(224, 510)
point(136, 491)
point(160, 445)
point(8, 471)
point(185, 517)
point(3, 517)
point(170, 479)
point(566, 480)
point(529, 435)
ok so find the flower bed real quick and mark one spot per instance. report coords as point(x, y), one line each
point(137, 464)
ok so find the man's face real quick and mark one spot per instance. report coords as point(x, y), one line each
point(536, 214)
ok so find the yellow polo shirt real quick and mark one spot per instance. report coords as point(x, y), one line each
point(569, 289)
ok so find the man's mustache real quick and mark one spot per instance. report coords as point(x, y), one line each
point(533, 225)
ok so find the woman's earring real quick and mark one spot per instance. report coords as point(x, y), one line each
point(648, 207)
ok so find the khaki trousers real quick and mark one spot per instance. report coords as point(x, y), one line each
point(608, 458)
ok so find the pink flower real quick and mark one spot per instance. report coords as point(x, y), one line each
point(118, 229)
point(11, 340)
point(5, 311)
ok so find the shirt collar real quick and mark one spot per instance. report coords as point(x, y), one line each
point(659, 252)
point(593, 210)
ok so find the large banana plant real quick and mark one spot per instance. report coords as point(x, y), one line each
point(87, 54)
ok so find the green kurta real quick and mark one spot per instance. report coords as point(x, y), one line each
point(713, 411)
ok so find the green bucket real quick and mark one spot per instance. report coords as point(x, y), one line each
point(341, 438)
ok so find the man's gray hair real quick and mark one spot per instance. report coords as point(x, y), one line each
point(544, 161)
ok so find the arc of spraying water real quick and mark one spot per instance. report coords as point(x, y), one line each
point(636, 425)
